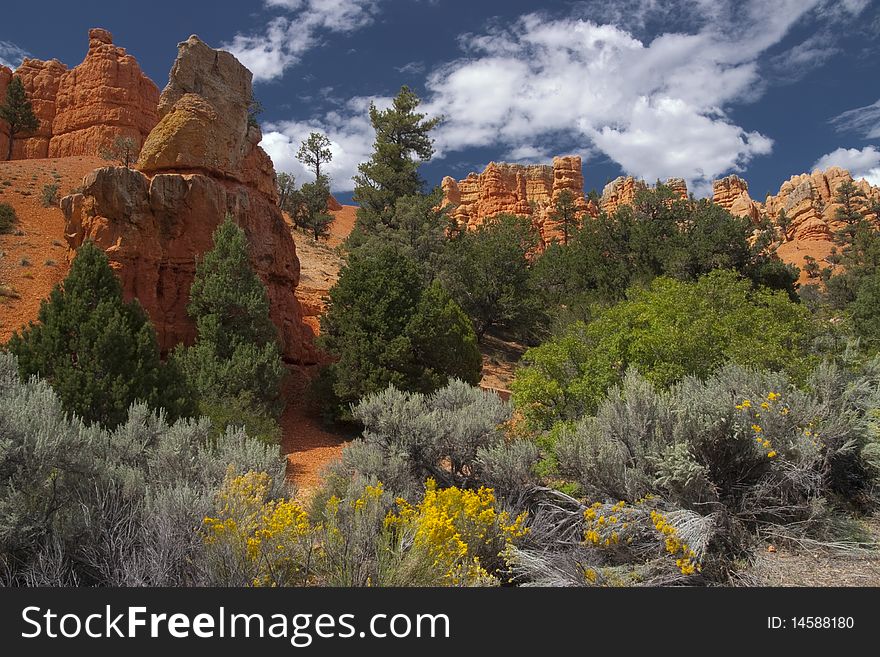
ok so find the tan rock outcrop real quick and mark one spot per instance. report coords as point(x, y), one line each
point(732, 194)
point(524, 190)
point(156, 224)
point(202, 110)
point(622, 191)
point(105, 97)
point(41, 81)
point(81, 111)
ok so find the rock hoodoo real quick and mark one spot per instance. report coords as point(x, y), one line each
point(82, 110)
point(732, 194)
point(808, 201)
point(622, 191)
point(525, 190)
point(199, 163)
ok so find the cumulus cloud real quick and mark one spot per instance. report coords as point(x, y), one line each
point(288, 36)
point(655, 107)
point(11, 55)
point(649, 93)
point(862, 120)
point(864, 163)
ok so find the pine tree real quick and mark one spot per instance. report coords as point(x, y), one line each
point(314, 152)
point(384, 328)
point(235, 364)
point(98, 353)
point(402, 142)
point(18, 112)
point(565, 213)
point(851, 201)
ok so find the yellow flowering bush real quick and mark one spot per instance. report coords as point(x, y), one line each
point(254, 540)
point(458, 532)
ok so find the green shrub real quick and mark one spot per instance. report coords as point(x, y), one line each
point(49, 195)
point(7, 218)
point(80, 504)
point(665, 331)
point(454, 435)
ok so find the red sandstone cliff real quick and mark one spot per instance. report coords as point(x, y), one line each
point(199, 163)
point(525, 190)
point(82, 110)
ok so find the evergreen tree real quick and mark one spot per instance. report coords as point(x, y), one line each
point(565, 213)
point(402, 142)
point(286, 188)
point(235, 364)
point(312, 214)
point(97, 352)
point(314, 152)
point(851, 201)
point(384, 328)
point(18, 112)
point(488, 273)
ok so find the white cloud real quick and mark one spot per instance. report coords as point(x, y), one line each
point(11, 55)
point(286, 38)
point(655, 107)
point(863, 163)
point(861, 120)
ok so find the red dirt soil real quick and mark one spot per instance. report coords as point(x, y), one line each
point(35, 253)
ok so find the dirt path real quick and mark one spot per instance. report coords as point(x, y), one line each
point(308, 444)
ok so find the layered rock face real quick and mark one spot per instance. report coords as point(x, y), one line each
point(622, 191)
point(524, 190)
point(807, 200)
point(732, 194)
point(83, 110)
point(155, 224)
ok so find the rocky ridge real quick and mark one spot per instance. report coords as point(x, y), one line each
point(525, 190)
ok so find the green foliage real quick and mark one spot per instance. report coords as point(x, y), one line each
point(865, 311)
point(487, 271)
point(235, 364)
point(565, 213)
point(7, 218)
point(385, 328)
point(98, 353)
point(659, 235)
point(310, 209)
point(49, 195)
point(402, 142)
point(85, 505)
point(665, 331)
point(286, 189)
point(18, 112)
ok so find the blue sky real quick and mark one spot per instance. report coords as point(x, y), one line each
point(689, 88)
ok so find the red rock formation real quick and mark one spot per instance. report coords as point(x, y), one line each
point(807, 200)
point(732, 194)
point(622, 191)
point(41, 81)
point(106, 96)
point(529, 191)
point(156, 224)
point(82, 110)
